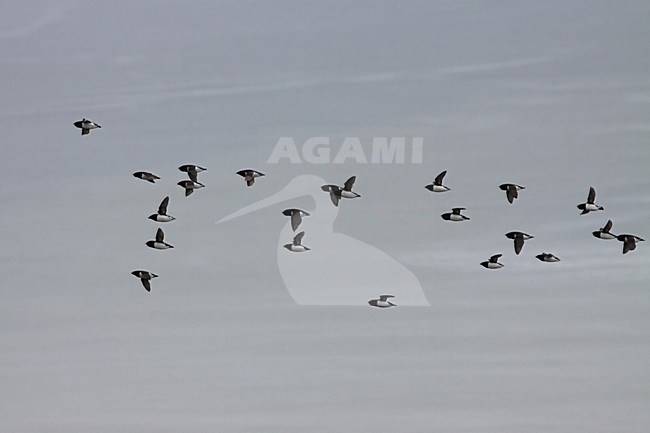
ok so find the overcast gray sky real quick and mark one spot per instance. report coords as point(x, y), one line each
point(554, 96)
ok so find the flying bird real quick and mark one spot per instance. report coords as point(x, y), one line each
point(605, 232)
point(86, 125)
point(547, 257)
point(162, 216)
point(159, 243)
point(629, 242)
point(149, 177)
point(519, 238)
point(590, 206)
point(455, 215)
point(511, 190)
point(191, 184)
point(382, 302)
point(336, 192)
point(187, 167)
point(145, 277)
point(296, 246)
point(296, 217)
point(493, 262)
point(250, 175)
point(437, 185)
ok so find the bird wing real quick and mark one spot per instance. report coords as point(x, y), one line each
point(162, 209)
point(385, 297)
point(296, 219)
point(160, 235)
point(85, 131)
point(592, 195)
point(334, 195)
point(191, 172)
point(519, 244)
point(349, 183)
point(495, 257)
point(511, 193)
point(438, 179)
point(608, 226)
point(456, 210)
point(298, 238)
point(250, 180)
point(146, 284)
point(188, 191)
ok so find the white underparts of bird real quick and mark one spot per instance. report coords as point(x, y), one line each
point(336, 192)
point(296, 246)
point(455, 215)
point(437, 185)
point(512, 190)
point(149, 177)
point(145, 277)
point(162, 216)
point(159, 243)
point(605, 232)
point(250, 175)
point(86, 125)
point(629, 242)
point(193, 183)
point(547, 257)
point(382, 302)
point(493, 263)
point(296, 216)
point(519, 238)
point(590, 205)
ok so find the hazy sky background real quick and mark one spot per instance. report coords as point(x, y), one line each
point(554, 96)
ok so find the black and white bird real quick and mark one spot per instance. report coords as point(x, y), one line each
point(589, 205)
point(250, 175)
point(336, 192)
point(296, 216)
point(187, 167)
point(159, 243)
point(437, 185)
point(145, 278)
point(191, 184)
point(149, 177)
point(548, 257)
point(512, 190)
point(605, 232)
point(162, 216)
point(629, 242)
point(86, 125)
point(493, 262)
point(296, 246)
point(519, 238)
point(382, 302)
point(455, 215)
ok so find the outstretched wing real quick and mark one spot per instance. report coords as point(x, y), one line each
point(438, 179)
point(457, 210)
point(191, 172)
point(511, 193)
point(385, 297)
point(162, 209)
point(335, 196)
point(146, 284)
point(349, 183)
point(298, 238)
point(296, 219)
point(608, 226)
point(519, 244)
point(160, 235)
point(495, 257)
point(592, 195)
